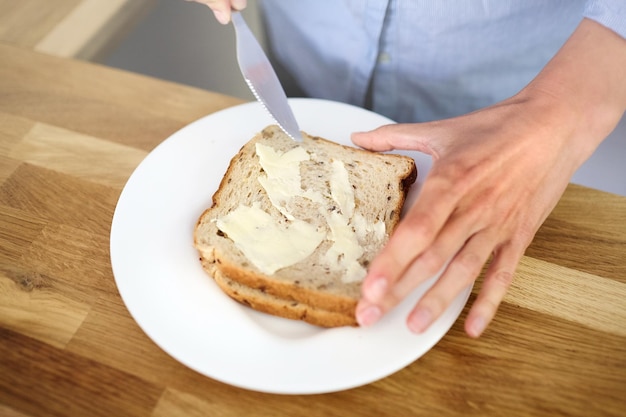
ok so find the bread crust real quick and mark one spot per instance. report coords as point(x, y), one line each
point(289, 298)
point(267, 303)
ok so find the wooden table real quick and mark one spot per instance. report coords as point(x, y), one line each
point(84, 29)
point(72, 132)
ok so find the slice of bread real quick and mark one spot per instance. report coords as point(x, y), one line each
point(299, 248)
point(267, 303)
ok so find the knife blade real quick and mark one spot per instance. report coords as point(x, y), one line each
point(262, 79)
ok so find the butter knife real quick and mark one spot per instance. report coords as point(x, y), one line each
point(261, 78)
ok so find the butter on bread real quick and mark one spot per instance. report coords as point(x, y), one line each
point(293, 226)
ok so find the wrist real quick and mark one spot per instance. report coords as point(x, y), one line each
point(582, 90)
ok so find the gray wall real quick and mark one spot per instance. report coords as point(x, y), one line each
point(181, 41)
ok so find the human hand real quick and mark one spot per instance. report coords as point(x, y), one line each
point(497, 173)
point(222, 8)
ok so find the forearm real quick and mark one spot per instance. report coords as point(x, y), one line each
point(587, 81)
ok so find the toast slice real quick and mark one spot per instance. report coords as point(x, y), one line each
point(293, 226)
point(267, 303)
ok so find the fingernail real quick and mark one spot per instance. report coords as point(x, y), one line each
point(369, 316)
point(477, 326)
point(377, 289)
point(419, 320)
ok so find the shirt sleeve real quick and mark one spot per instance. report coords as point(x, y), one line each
point(609, 13)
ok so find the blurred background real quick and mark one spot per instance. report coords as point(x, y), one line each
point(182, 42)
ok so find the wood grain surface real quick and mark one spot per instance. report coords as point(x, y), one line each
point(71, 134)
point(83, 29)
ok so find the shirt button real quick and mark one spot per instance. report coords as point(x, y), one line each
point(384, 57)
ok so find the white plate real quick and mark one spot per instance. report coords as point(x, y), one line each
point(181, 309)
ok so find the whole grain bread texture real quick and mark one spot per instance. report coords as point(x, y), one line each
point(310, 290)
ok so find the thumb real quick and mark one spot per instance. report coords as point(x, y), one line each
point(406, 136)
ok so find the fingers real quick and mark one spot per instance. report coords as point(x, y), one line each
point(487, 192)
point(421, 246)
point(222, 8)
point(421, 229)
point(399, 136)
point(496, 283)
point(415, 232)
point(416, 252)
point(461, 272)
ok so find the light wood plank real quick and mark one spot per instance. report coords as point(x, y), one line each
point(90, 27)
point(78, 155)
point(26, 22)
point(106, 103)
point(592, 301)
point(12, 130)
point(7, 168)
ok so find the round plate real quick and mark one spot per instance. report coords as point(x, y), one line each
point(182, 310)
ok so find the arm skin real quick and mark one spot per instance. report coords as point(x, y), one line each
point(497, 173)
